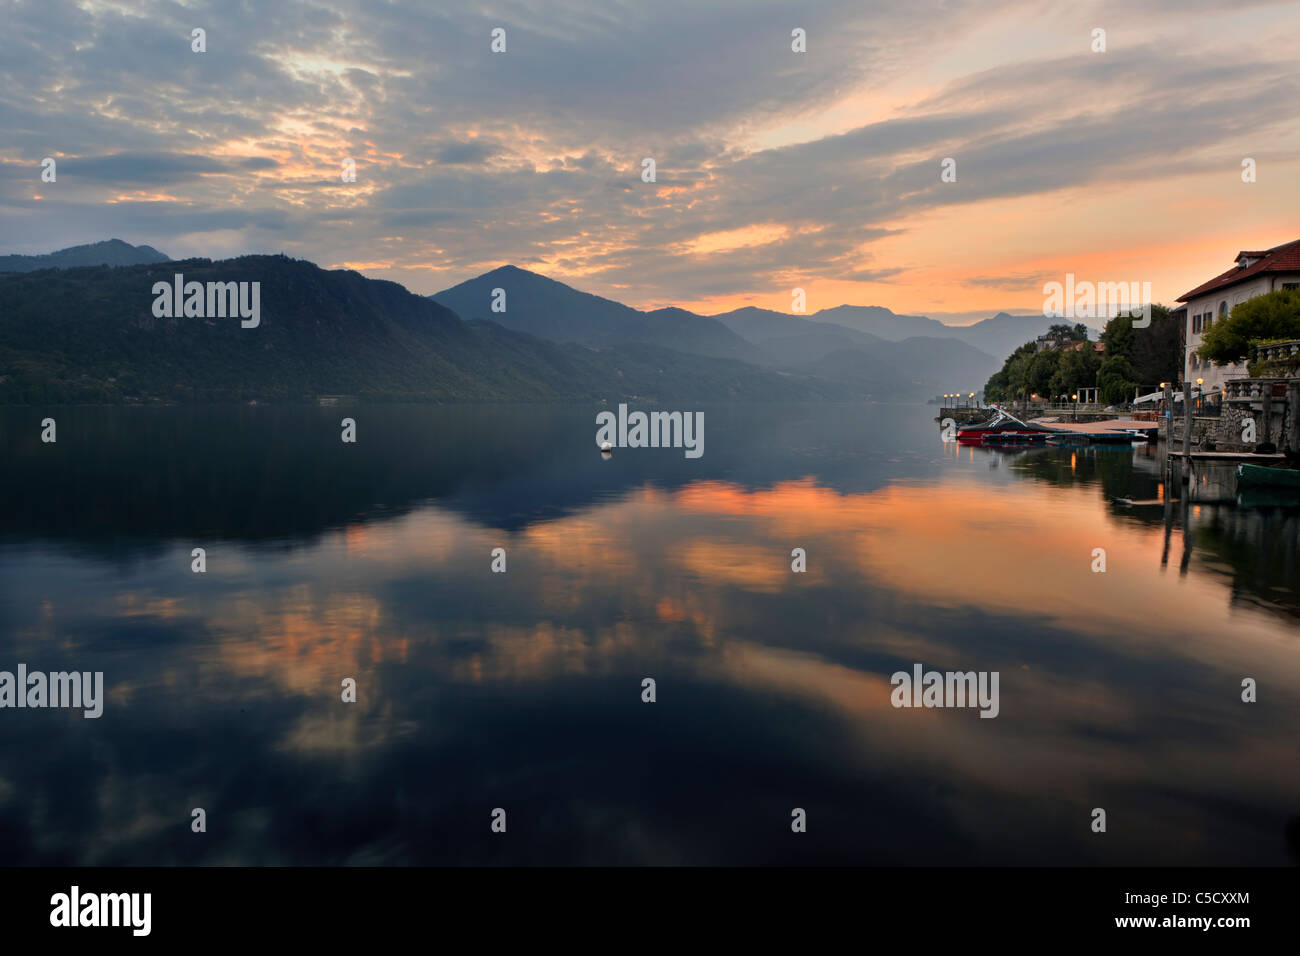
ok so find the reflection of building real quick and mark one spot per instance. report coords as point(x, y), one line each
point(1254, 274)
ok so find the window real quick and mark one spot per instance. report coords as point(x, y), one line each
point(1291, 285)
point(1196, 324)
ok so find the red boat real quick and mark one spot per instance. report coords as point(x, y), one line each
point(1003, 426)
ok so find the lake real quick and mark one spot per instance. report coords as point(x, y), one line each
point(523, 690)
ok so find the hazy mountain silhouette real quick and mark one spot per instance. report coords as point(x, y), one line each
point(552, 310)
point(90, 335)
point(110, 252)
point(999, 335)
point(868, 361)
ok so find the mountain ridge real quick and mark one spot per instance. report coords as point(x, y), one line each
point(545, 307)
point(89, 334)
point(109, 252)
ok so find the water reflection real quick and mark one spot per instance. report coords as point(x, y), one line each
point(522, 690)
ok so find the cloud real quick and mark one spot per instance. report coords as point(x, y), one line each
point(473, 158)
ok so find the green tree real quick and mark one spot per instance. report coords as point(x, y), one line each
point(1062, 334)
point(1274, 315)
point(1018, 374)
point(1157, 354)
point(1009, 381)
point(1154, 353)
point(1116, 379)
point(996, 389)
point(1040, 370)
point(1077, 369)
point(1119, 335)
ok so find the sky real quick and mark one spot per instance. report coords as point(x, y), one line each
point(774, 169)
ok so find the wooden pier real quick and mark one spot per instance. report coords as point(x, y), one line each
point(1226, 456)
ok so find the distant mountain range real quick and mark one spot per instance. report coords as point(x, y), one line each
point(89, 334)
point(552, 310)
point(998, 336)
point(111, 252)
point(866, 347)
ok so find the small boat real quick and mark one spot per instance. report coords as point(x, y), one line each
point(1003, 425)
point(1262, 476)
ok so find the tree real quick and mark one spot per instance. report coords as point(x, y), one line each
point(1009, 381)
point(1040, 370)
point(1274, 315)
point(1062, 333)
point(1157, 354)
point(1119, 335)
point(996, 388)
point(1154, 353)
point(1077, 369)
point(1116, 379)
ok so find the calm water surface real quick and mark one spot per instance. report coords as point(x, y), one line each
point(522, 690)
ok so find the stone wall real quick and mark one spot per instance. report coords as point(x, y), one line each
point(1277, 430)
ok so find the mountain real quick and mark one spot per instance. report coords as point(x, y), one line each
point(913, 367)
point(909, 369)
point(999, 335)
point(552, 310)
point(1003, 333)
point(874, 364)
point(89, 335)
point(793, 338)
point(111, 252)
point(879, 321)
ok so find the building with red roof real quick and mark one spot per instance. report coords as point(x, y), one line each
point(1256, 272)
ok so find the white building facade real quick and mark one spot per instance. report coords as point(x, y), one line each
point(1255, 274)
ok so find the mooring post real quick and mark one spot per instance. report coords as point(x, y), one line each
point(1166, 431)
point(1266, 413)
point(1187, 432)
point(1293, 408)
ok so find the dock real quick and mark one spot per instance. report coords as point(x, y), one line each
point(1247, 456)
point(1114, 430)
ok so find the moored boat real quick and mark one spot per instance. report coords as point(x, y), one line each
point(1261, 476)
point(1002, 425)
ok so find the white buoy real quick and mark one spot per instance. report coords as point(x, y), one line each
point(606, 447)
